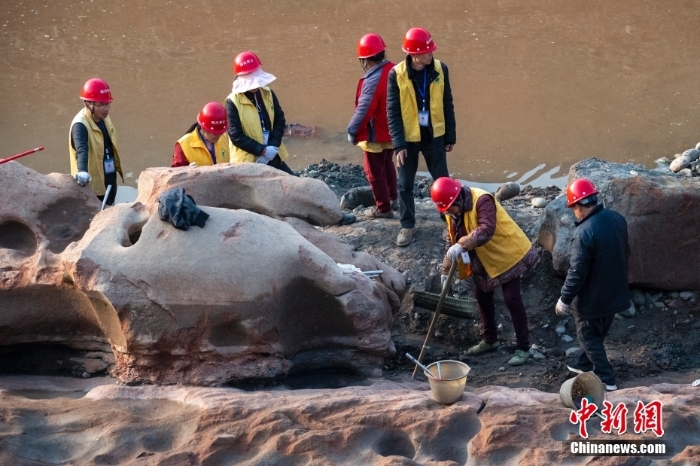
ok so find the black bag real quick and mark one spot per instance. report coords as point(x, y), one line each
point(178, 208)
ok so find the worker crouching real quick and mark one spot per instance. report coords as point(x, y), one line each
point(490, 246)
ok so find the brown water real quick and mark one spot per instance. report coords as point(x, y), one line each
point(538, 85)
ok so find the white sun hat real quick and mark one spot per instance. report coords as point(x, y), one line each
point(250, 81)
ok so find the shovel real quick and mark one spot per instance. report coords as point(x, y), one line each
point(445, 289)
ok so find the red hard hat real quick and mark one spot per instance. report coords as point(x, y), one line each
point(578, 190)
point(213, 118)
point(370, 45)
point(96, 90)
point(418, 40)
point(444, 191)
point(245, 62)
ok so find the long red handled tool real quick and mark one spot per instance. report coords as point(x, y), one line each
point(21, 155)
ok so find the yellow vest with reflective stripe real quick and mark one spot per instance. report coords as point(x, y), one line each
point(409, 104)
point(508, 245)
point(96, 150)
point(250, 122)
point(196, 151)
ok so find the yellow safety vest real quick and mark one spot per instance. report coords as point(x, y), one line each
point(196, 151)
point(409, 104)
point(508, 245)
point(250, 121)
point(96, 150)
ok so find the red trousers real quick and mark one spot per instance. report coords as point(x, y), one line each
point(381, 174)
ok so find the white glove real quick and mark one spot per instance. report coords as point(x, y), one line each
point(271, 152)
point(82, 178)
point(193, 164)
point(454, 252)
point(262, 159)
point(443, 279)
point(562, 309)
point(351, 139)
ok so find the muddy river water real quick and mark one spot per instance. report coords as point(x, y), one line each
point(537, 84)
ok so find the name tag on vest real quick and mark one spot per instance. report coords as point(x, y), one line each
point(109, 166)
point(423, 118)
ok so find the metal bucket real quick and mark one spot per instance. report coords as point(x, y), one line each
point(452, 378)
point(586, 385)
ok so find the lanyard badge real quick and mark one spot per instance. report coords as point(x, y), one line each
point(423, 114)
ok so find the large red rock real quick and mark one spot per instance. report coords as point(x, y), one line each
point(384, 423)
point(251, 186)
point(245, 297)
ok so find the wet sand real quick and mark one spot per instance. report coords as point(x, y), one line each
point(537, 85)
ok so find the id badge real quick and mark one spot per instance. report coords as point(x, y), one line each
point(109, 166)
point(266, 136)
point(465, 258)
point(423, 118)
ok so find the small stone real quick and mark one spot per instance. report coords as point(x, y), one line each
point(566, 339)
point(680, 163)
point(501, 369)
point(631, 326)
point(560, 330)
point(535, 347)
point(507, 191)
point(659, 305)
point(538, 356)
point(571, 351)
point(86, 375)
point(545, 326)
point(539, 202)
point(674, 294)
point(633, 173)
point(685, 295)
point(500, 326)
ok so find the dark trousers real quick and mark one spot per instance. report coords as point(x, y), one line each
point(514, 303)
point(436, 160)
point(110, 179)
point(279, 164)
point(590, 334)
point(381, 175)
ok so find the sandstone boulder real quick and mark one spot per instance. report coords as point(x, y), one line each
point(660, 210)
point(251, 186)
point(39, 216)
point(245, 297)
point(343, 253)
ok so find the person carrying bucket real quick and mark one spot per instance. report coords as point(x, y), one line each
point(202, 143)
point(255, 118)
point(369, 128)
point(491, 247)
point(421, 119)
point(92, 142)
point(596, 285)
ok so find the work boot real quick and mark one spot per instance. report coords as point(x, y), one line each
point(395, 205)
point(405, 237)
point(483, 347)
point(375, 213)
point(519, 358)
point(347, 219)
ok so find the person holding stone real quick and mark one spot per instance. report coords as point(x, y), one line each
point(93, 148)
point(421, 119)
point(202, 144)
point(596, 285)
point(488, 245)
point(369, 128)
